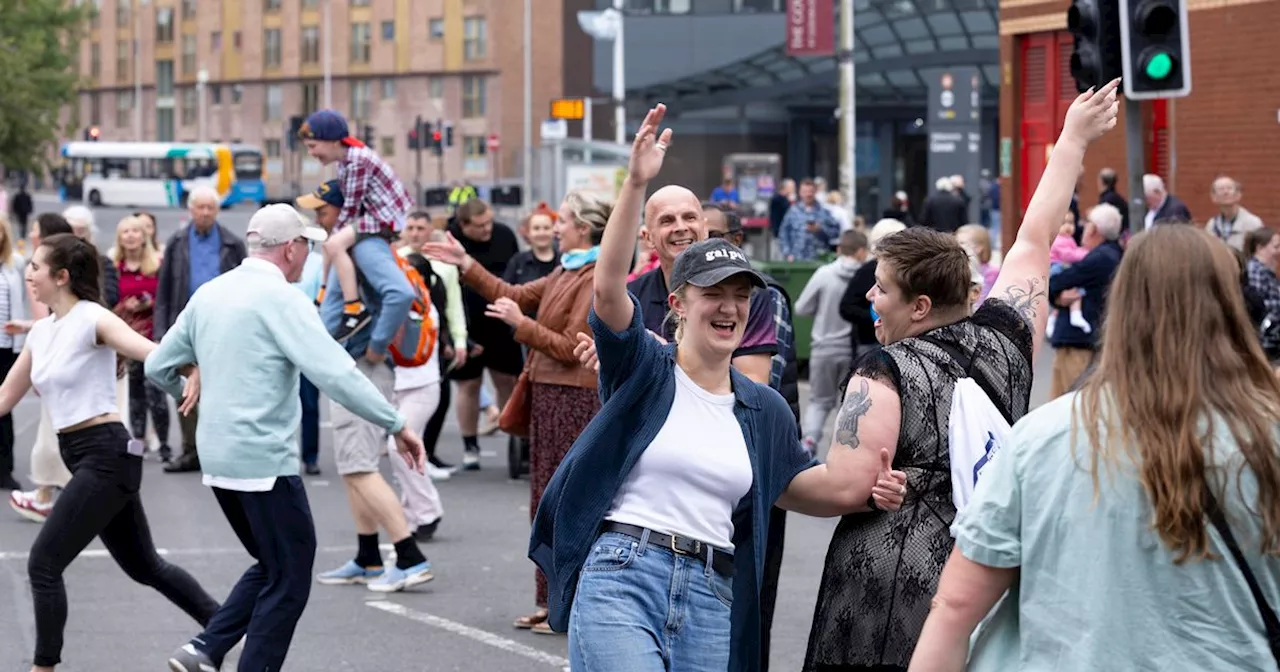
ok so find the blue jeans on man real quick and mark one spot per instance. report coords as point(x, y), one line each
point(385, 291)
point(310, 396)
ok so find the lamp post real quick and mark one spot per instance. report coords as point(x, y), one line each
point(202, 82)
point(526, 161)
point(327, 50)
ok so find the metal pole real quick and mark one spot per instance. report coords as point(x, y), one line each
point(848, 109)
point(417, 154)
point(526, 151)
point(327, 48)
point(586, 127)
point(137, 71)
point(619, 79)
point(202, 80)
point(1136, 163)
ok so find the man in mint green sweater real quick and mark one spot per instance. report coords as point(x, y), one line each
point(252, 332)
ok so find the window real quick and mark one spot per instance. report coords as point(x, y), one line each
point(95, 108)
point(164, 124)
point(122, 14)
point(473, 96)
point(94, 21)
point(215, 94)
point(273, 103)
point(164, 24)
point(435, 88)
point(387, 145)
point(475, 40)
point(388, 30)
point(271, 48)
point(474, 146)
point(751, 6)
point(360, 43)
point(95, 60)
point(310, 4)
point(188, 54)
point(360, 3)
point(124, 109)
point(310, 44)
point(188, 9)
point(388, 89)
point(190, 102)
point(122, 60)
point(273, 148)
point(436, 29)
point(270, 5)
point(310, 97)
point(360, 99)
point(215, 40)
point(164, 78)
point(237, 92)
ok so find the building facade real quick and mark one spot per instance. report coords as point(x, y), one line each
point(1228, 125)
point(263, 61)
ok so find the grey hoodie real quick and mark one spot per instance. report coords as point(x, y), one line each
point(831, 335)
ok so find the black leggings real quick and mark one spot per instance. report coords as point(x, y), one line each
point(101, 500)
point(144, 397)
point(431, 433)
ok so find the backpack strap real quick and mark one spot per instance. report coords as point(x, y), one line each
point(1269, 620)
point(965, 362)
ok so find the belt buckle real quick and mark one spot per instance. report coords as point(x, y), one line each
point(697, 547)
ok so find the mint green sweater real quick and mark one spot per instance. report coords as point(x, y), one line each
point(251, 333)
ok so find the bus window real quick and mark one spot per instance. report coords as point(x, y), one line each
point(248, 166)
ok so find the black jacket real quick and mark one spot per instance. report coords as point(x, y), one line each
point(945, 212)
point(110, 281)
point(1113, 197)
point(1093, 275)
point(174, 287)
point(856, 309)
point(1173, 210)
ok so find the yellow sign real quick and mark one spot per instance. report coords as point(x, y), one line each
point(568, 108)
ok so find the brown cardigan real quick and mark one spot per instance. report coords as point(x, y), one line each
point(563, 301)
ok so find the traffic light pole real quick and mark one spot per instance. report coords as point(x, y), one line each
point(1136, 163)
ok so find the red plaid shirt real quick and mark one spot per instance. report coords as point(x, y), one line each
point(372, 197)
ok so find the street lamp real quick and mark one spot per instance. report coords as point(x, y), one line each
point(137, 70)
point(202, 80)
point(607, 25)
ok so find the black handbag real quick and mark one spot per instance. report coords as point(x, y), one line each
point(1269, 620)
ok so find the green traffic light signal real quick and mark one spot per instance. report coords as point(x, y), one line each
point(1158, 66)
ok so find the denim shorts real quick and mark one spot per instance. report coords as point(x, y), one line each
point(642, 608)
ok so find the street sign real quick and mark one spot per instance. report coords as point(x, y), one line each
point(568, 108)
point(494, 142)
point(555, 130)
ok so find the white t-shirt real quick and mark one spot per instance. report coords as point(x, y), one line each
point(691, 477)
point(411, 378)
point(75, 376)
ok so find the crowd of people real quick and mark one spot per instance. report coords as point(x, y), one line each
point(656, 393)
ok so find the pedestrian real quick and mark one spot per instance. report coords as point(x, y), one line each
point(22, 207)
point(139, 267)
point(311, 284)
point(253, 333)
point(631, 495)
point(199, 251)
point(560, 396)
point(70, 360)
point(13, 308)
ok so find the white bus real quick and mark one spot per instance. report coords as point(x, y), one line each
point(143, 174)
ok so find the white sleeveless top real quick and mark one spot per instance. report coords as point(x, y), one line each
point(76, 377)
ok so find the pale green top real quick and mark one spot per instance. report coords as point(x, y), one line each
point(251, 333)
point(1097, 588)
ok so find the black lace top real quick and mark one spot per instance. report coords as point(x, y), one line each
point(882, 569)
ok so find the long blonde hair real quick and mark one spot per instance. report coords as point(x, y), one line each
point(6, 245)
point(1188, 356)
point(150, 262)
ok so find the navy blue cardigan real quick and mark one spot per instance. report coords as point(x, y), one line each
point(638, 384)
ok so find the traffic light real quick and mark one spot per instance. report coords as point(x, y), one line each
point(91, 134)
point(1156, 49)
point(413, 139)
point(367, 136)
point(1095, 27)
point(295, 127)
point(436, 142)
point(448, 134)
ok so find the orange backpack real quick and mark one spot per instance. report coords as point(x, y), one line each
point(415, 340)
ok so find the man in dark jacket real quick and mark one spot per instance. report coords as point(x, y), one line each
point(198, 252)
point(1074, 346)
point(1107, 193)
point(1162, 206)
point(944, 211)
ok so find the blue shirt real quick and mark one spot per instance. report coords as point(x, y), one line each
point(793, 235)
point(638, 385)
point(205, 252)
point(312, 275)
point(252, 333)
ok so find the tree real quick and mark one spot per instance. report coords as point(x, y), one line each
point(39, 59)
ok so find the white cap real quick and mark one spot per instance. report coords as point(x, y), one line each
point(279, 223)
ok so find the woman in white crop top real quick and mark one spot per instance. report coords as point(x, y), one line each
point(70, 360)
point(693, 457)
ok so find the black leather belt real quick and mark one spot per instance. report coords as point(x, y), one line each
point(721, 561)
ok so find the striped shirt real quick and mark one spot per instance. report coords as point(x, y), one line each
point(373, 198)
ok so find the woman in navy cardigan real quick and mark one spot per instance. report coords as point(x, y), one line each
point(652, 531)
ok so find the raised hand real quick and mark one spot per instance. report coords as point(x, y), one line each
point(649, 148)
point(449, 250)
point(891, 486)
point(1093, 113)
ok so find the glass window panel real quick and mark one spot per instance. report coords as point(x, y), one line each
point(911, 29)
point(953, 43)
point(878, 35)
point(946, 23)
point(920, 47)
point(903, 78)
point(979, 21)
point(871, 79)
point(888, 51)
point(986, 41)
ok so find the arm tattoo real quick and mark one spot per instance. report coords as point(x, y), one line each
point(856, 404)
point(1023, 299)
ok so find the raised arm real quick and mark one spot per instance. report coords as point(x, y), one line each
point(612, 305)
point(1024, 275)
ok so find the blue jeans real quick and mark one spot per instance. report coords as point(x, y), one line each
point(641, 608)
point(384, 289)
point(310, 420)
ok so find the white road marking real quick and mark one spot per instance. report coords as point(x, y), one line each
point(100, 553)
point(482, 636)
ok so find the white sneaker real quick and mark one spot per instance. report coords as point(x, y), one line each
point(438, 474)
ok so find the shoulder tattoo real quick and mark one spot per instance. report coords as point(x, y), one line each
point(856, 404)
point(1024, 299)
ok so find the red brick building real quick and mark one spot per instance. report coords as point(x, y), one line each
point(1229, 125)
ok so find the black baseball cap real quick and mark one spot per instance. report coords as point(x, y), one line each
point(710, 262)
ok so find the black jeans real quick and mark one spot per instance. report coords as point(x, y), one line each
point(102, 501)
point(431, 433)
point(7, 359)
point(276, 528)
point(310, 395)
point(769, 586)
point(145, 397)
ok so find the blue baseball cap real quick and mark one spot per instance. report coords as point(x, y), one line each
point(326, 194)
point(330, 126)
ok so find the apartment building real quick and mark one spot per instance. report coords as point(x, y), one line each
point(263, 61)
